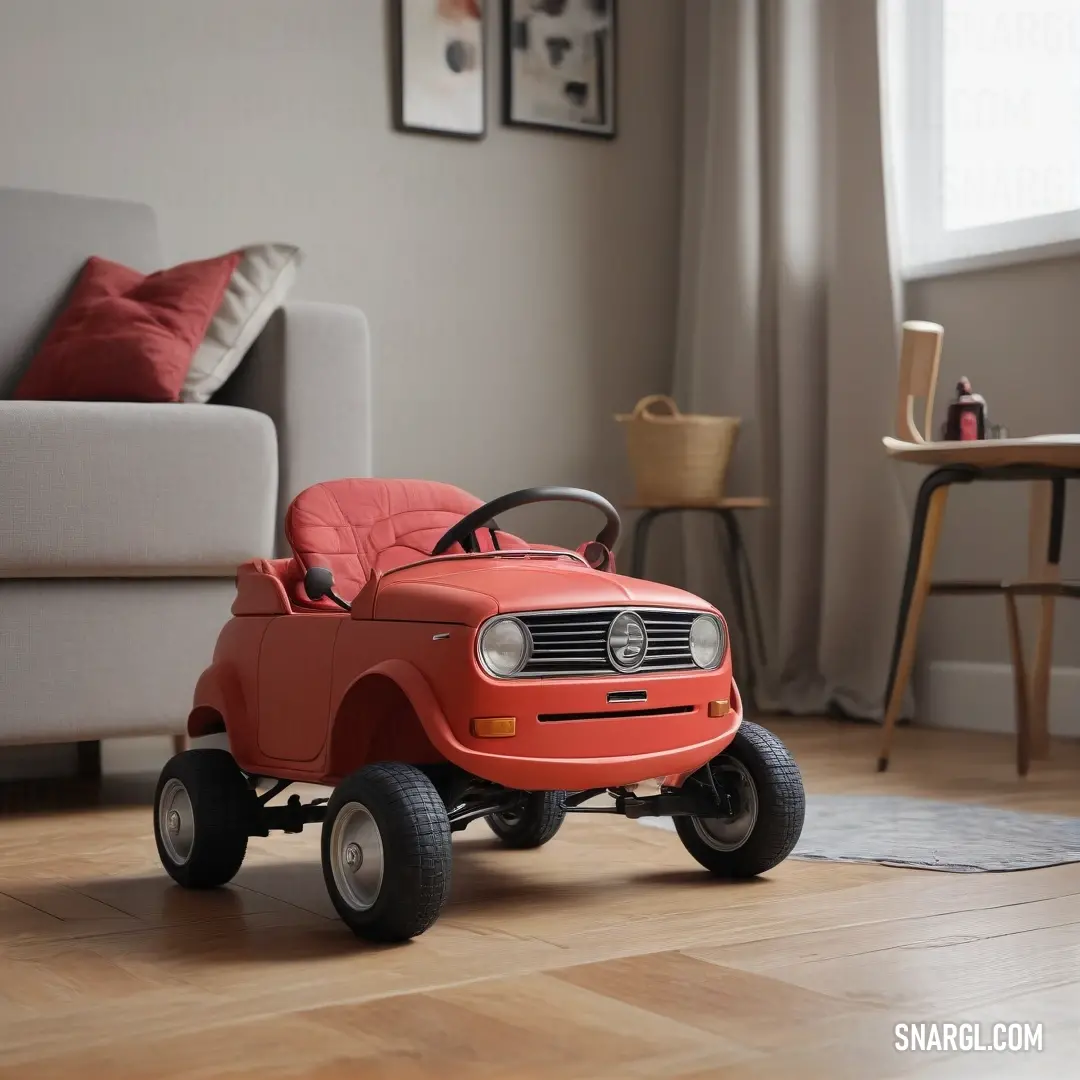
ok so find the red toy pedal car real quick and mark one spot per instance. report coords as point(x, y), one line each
point(472, 675)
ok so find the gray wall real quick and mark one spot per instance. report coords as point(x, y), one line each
point(1015, 332)
point(519, 290)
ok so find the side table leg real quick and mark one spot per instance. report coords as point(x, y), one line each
point(742, 560)
point(730, 555)
point(641, 540)
point(925, 530)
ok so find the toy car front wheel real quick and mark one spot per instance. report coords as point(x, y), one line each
point(768, 804)
point(533, 823)
point(202, 809)
point(386, 852)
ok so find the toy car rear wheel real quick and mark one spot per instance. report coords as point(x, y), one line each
point(534, 823)
point(769, 804)
point(386, 852)
point(202, 810)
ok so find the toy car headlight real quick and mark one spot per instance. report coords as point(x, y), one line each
point(504, 646)
point(706, 641)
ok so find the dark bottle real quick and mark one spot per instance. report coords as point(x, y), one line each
point(966, 419)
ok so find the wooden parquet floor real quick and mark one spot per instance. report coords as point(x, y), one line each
point(607, 954)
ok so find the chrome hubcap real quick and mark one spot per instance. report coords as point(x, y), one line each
point(356, 856)
point(176, 821)
point(729, 834)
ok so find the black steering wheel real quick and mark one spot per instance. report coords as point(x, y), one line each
point(464, 531)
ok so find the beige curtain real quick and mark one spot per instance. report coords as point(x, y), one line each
point(788, 317)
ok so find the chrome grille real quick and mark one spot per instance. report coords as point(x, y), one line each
point(574, 643)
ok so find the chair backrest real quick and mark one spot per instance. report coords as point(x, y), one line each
point(920, 358)
point(45, 239)
point(354, 526)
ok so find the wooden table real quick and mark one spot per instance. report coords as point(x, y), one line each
point(1046, 462)
point(737, 569)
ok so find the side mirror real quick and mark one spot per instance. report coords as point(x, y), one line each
point(319, 582)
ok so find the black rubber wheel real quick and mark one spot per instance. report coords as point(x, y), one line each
point(539, 818)
point(770, 808)
point(202, 814)
point(386, 852)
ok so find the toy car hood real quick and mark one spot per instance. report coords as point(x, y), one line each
point(468, 590)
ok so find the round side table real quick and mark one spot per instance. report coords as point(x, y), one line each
point(737, 569)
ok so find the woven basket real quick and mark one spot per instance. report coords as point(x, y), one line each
point(677, 458)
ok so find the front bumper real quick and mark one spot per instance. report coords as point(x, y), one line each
point(569, 737)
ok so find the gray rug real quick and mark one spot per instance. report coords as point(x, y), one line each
point(896, 830)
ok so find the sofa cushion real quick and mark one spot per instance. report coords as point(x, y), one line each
point(126, 336)
point(121, 489)
point(258, 287)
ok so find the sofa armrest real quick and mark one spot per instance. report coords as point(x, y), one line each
point(310, 372)
point(122, 489)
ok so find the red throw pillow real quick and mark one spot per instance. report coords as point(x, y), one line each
point(126, 336)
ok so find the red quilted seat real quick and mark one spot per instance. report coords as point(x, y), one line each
point(355, 526)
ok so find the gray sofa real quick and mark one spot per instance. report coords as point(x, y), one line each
point(121, 525)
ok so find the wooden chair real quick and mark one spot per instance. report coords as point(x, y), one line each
point(1046, 462)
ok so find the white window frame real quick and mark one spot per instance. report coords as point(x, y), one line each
point(916, 51)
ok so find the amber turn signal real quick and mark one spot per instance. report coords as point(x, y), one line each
point(718, 708)
point(494, 727)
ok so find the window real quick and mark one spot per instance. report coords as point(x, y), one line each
point(984, 97)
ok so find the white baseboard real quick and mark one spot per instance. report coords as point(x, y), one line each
point(958, 695)
point(979, 697)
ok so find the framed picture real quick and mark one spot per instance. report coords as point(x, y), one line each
point(559, 65)
point(440, 71)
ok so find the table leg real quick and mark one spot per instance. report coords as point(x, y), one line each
point(1046, 524)
point(641, 540)
point(936, 479)
point(730, 556)
point(731, 520)
point(925, 530)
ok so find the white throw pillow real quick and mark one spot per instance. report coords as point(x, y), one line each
point(257, 288)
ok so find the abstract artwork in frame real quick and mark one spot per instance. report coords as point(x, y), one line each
point(441, 67)
point(559, 65)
